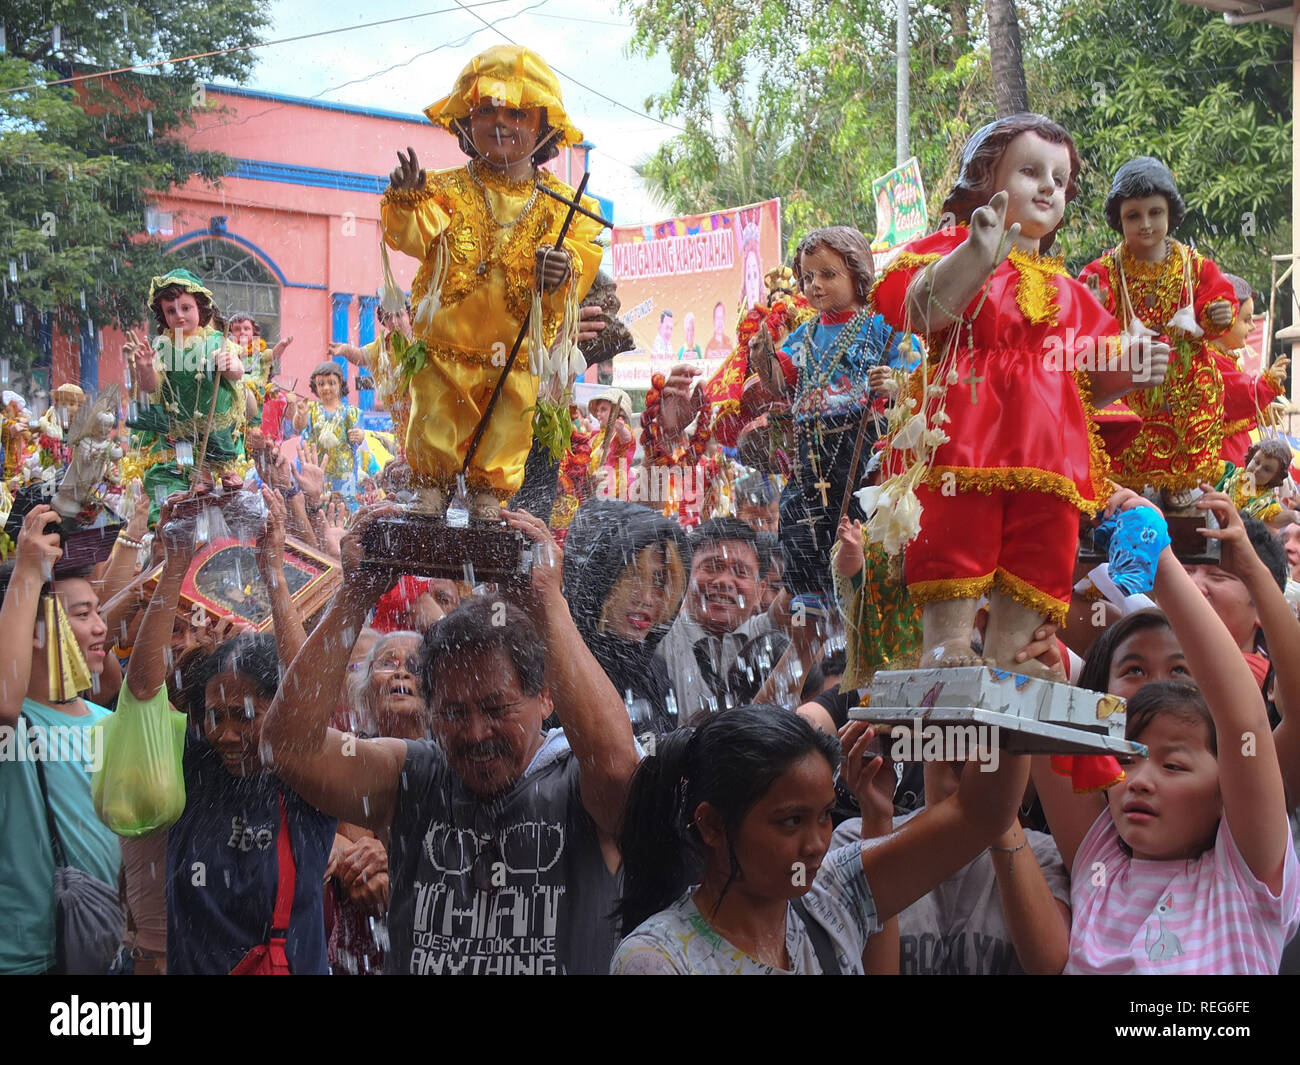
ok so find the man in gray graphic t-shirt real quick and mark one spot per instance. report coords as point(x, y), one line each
point(502, 853)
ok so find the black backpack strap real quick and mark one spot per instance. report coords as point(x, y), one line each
point(56, 843)
point(821, 940)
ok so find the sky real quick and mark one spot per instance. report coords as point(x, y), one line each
point(406, 65)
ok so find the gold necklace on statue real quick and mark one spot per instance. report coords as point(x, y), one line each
point(492, 215)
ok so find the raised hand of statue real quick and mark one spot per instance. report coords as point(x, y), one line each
point(277, 351)
point(1220, 312)
point(552, 267)
point(1279, 365)
point(989, 232)
point(679, 401)
point(407, 175)
point(849, 559)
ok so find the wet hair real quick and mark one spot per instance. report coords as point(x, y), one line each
point(1169, 698)
point(329, 367)
point(207, 309)
point(1136, 180)
point(475, 628)
point(250, 655)
point(81, 573)
point(731, 761)
point(849, 245)
point(1095, 674)
point(240, 316)
point(1268, 546)
point(979, 161)
point(543, 154)
point(723, 530)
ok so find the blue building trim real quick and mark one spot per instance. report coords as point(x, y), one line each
point(366, 396)
point(309, 176)
point(199, 234)
point(339, 304)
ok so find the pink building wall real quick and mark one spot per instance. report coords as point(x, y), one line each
point(303, 199)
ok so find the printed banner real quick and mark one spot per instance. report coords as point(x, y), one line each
point(900, 206)
point(685, 282)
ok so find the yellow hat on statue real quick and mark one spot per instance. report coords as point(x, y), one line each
point(509, 76)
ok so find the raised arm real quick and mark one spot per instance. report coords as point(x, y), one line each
point(594, 718)
point(939, 841)
point(146, 672)
point(938, 297)
point(34, 556)
point(1281, 630)
point(353, 780)
point(289, 632)
point(1254, 801)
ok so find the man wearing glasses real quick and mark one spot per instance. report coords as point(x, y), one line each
point(502, 855)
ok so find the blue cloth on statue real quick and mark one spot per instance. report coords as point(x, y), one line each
point(1133, 540)
point(812, 346)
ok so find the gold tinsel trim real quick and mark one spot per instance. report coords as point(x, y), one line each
point(1015, 479)
point(1024, 593)
point(950, 588)
point(1036, 289)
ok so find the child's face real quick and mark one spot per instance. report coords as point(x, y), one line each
point(1265, 469)
point(786, 831)
point(242, 332)
point(505, 135)
point(1236, 336)
point(600, 409)
point(1168, 805)
point(826, 281)
point(327, 388)
point(181, 314)
point(1034, 173)
point(1145, 224)
point(1145, 657)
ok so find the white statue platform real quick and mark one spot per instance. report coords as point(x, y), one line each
point(1030, 716)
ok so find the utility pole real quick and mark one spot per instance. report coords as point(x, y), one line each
point(902, 149)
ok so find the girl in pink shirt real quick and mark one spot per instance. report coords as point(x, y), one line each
point(1187, 865)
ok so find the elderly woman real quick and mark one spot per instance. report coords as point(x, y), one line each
point(384, 699)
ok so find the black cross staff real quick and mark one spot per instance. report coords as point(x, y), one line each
point(575, 207)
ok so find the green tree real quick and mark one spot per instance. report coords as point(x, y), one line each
point(1210, 100)
point(1159, 78)
point(81, 162)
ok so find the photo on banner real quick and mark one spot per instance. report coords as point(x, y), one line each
point(685, 282)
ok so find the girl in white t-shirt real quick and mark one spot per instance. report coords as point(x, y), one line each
point(1187, 865)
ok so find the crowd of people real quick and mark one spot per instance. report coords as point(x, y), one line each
point(640, 754)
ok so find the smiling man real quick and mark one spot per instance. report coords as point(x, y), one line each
point(721, 614)
point(502, 855)
point(27, 934)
